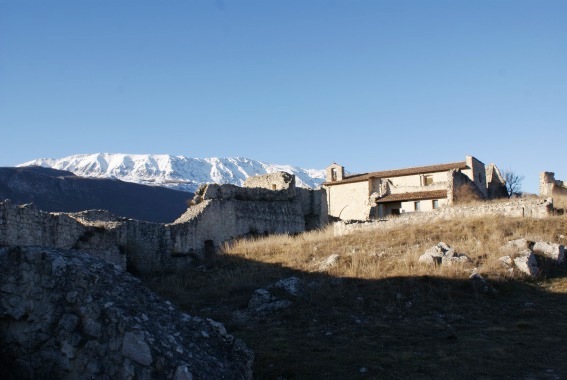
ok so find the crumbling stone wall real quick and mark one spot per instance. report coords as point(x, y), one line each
point(533, 208)
point(25, 225)
point(556, 189)
point(271, 181)
point(461, 188)
point(314, 207)
point(496, 184)
point(221, 214)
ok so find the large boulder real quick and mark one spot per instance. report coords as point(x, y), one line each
point(68, 315)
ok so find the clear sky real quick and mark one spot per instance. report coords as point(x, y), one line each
point(372, 85)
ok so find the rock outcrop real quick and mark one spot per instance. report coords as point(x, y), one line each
point(68, 315)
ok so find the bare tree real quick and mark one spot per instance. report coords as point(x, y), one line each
point(513, 182)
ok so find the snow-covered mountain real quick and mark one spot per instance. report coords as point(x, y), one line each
point(177, 172)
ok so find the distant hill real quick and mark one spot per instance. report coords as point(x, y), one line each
point(176, 172)
point(59, 190)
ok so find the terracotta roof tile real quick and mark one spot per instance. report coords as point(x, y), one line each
point(434, 194)
point(401, 172)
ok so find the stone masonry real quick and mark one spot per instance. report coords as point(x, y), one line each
point(556, 189)
point(220, 213)
point(524, 207)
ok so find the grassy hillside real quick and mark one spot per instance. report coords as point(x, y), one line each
point(380, 314)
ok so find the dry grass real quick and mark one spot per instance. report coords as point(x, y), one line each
point(381, 310)
point(394, 253)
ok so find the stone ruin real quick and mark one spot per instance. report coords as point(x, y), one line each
point(68, 315)
point(268, 204)
point(556, 189)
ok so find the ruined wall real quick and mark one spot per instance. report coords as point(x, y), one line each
point(25, 225)
point(460, 188)
point(496, 185)
point(272, 181)
point(220, 214)
point(533, 208)
point(550, 187)
point(477, 174)
point(314, 207)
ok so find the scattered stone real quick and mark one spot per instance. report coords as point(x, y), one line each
point(551, 250)
point(329, 262)
point(78, 317)
point(264, 302)
point(443, 254)
point(515, 246)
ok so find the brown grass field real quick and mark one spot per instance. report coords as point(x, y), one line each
point(380, 314)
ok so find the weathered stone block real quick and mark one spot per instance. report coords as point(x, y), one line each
point(526, 263)
point(551, 250)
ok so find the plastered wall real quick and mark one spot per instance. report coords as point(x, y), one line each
point(349, 201)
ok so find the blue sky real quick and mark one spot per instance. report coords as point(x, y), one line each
point(372, 85)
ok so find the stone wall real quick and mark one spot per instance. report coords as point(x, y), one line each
point(25, 225)
point(221, 214)
point(314, 207)
point(496, 184)
point(271, 181)
point(461, 188)
point(534, 208)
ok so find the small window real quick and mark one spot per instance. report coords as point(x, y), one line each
point(427, 180)
point(435, 204)
point(416, 206)
point(333, 174)
point(274, 186)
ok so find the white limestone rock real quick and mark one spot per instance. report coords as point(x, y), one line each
point(443, 254)
point(329, 262)
point(526, 263)
point(516, 246)
point(551, 250)
point(452, 257)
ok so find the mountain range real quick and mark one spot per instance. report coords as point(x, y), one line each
point(61, 191)
point(174, 172)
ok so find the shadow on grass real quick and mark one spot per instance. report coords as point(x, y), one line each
point(395, 328)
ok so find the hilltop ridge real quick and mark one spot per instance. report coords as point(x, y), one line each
point(176, 172)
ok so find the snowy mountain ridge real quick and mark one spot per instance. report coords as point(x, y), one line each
point(176, 172)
